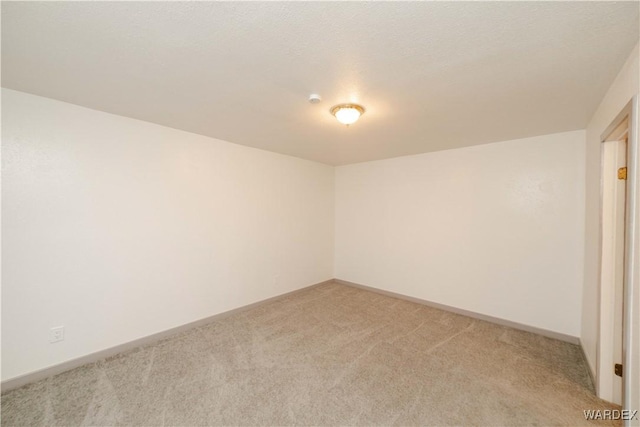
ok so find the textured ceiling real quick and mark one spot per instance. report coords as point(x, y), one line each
point(432, 75)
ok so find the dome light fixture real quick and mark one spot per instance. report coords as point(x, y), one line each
point(347, 113)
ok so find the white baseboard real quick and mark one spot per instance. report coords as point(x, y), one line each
point(40, 374)
point(544, 332)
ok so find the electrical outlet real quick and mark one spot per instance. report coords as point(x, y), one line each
point(276, 279)
point(56, 334)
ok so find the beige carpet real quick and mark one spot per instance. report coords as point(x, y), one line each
point(330, 355)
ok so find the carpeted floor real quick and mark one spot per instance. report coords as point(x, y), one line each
point(326, 356)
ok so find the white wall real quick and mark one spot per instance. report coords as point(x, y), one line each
point(117, 228)
point(496, 229)
point(619, 94)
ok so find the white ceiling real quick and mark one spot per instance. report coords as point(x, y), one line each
point(432, 75)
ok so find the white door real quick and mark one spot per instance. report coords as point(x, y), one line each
point(612, 273)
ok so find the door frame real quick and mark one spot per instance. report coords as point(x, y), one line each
point(631, 308)
point(612, 240)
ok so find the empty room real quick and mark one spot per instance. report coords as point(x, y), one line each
point(320, 213)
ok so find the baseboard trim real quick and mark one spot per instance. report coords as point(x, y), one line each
point(41, 374)
point(49, 371)
point(503, 322)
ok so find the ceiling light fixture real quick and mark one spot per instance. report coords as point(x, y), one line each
point(347, 113)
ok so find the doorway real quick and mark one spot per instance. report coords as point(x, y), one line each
point(618, 349)
point(613, 229)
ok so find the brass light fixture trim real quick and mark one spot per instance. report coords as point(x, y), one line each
point(335, 111)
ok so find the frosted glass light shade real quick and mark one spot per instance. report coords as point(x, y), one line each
point(347, 113)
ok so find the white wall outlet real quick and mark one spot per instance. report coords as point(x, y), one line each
point(56, 334)
point(276, 279)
